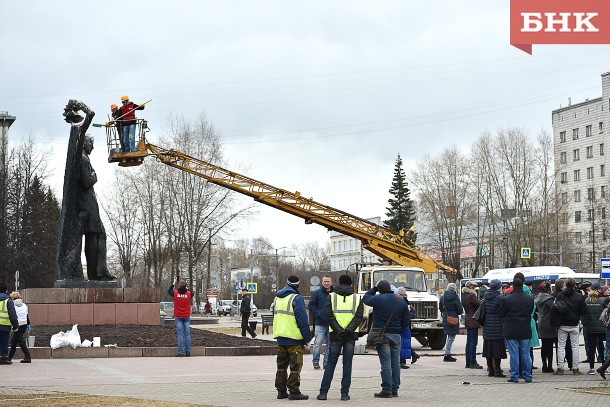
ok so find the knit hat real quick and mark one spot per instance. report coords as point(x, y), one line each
point(401, 291)
point(604, 288)
point(345, 279)
point(495, 284)
point(384, 287)
point(451, 287)
point(293, 281)
point(596, 286)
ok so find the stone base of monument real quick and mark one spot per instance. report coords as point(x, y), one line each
point(86, 284)
point(92, 306)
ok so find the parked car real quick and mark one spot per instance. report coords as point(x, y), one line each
point(168, 308)
point(223, 307)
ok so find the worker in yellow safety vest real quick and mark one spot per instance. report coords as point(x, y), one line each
point(291, 330)
point(8, 320)
point(344, 314)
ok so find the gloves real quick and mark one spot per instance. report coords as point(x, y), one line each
point(141, 105)
point(107, 124)
point(307, 346)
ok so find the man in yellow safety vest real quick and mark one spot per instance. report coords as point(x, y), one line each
point(8, 319)
point(291, 330)
point(344, 314)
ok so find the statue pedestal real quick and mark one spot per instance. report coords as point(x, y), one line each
point(86, 284)
point(92, 306)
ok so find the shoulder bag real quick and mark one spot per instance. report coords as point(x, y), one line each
point(479, 316)
point(376, 336)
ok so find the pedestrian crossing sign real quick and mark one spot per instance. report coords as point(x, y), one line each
point(526, 252)
point(252, 288)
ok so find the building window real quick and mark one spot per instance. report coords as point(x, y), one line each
point(564, 197)
point(604, 235)
point(562, 137)
point(590, 152)
point(604, 213)
point(589, 130)
point(564, 157)
point(564, 218)
point(602, 191)
point(601, 127)
point(602, 170)
point(577, 216)
point(589, 172)
point(591, 214)
point(576, 154)
point(590, 194)
point(576, 175)
point(575, 134)
point(601, 149)
point(577, 195)
point(578, 237)
point(590, 236)
point(579, 257)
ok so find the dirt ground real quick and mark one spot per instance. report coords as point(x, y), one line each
point(147, 336)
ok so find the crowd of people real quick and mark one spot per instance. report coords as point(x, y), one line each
point(512, 317)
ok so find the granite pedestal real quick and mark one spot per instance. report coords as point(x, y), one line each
point(92, 306)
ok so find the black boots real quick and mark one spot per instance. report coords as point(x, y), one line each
point(4, 359)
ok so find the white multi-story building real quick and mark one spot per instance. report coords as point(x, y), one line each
point(345, 250)
point(581, 161)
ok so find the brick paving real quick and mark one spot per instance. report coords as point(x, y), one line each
point(236, 381)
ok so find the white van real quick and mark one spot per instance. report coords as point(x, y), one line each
point(536, 274)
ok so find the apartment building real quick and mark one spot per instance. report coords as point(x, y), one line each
point(581, 150)
point(345, 250)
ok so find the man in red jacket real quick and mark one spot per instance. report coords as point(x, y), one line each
point(128, 121)
point(182, 316)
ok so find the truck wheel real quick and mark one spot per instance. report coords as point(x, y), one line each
point(437, 339)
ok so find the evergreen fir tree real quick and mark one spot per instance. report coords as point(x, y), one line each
point(39, 237)
point(400, 214)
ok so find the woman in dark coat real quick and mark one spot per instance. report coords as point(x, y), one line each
point(494, 349)
point(602, 369)
point(450, 305)
point(595, 328)
point(471, 304)
point(546, 332)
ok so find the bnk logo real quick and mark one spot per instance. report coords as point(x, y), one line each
point(559, 22)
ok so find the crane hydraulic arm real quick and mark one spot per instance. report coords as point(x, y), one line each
point(374, 238)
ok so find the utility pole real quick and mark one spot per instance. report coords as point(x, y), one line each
point(207, 282)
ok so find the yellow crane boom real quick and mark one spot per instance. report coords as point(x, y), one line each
point(376, 239)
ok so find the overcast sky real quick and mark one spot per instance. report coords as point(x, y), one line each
point(314, 96)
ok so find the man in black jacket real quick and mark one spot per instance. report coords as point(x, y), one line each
point(516, 312)
point(245, 310)
point(344, 314)
point(571, 305)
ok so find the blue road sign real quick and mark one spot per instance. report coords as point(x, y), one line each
point(605, 268)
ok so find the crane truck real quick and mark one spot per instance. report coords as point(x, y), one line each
point(411, 262)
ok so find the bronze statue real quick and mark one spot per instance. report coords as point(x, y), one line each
point(79, 210)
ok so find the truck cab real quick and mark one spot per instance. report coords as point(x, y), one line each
point(427, 324)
